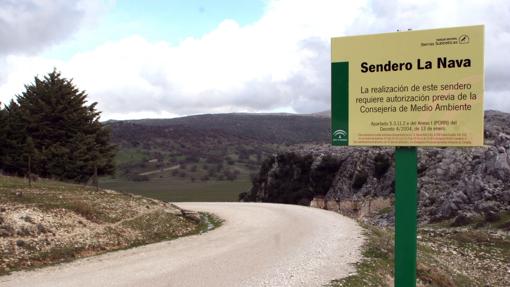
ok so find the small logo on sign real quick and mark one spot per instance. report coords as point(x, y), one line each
point(463, 39)
point(340, 134)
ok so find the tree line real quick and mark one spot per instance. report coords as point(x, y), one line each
point(50, 130)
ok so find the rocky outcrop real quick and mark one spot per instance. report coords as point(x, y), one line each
point(452, 182)
point(293, 178)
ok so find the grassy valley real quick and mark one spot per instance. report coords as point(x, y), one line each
point(203, 157)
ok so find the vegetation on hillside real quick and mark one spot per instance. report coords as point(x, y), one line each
point(211, 143)
point(295, 181)
point(183, 157)
point(51, 131)
point(54, 222)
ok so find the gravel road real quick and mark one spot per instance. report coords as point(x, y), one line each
point(258, 245)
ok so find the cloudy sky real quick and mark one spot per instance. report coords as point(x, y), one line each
point(141, 59)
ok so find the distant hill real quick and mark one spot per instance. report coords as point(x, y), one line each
point(323, 114)
point(266, 128)
point(206, 149)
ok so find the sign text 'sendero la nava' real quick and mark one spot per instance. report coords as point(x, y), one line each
point(412, 88)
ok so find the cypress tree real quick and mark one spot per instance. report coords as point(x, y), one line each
point(66, 137)
point(3, 136)
point(29, 152)
point(12, 141)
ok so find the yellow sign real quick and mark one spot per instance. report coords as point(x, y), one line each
point(412, 88)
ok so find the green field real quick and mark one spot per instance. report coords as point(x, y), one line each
point(175, 190)
point(129, 155)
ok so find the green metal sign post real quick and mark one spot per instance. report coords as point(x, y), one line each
point(405, 216)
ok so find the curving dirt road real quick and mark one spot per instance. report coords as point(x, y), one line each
point(258, 245)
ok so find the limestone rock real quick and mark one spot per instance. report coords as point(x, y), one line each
point(452, 182)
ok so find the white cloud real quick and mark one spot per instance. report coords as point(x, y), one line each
point(280, 62)
point(20, 70)
point(27, 26)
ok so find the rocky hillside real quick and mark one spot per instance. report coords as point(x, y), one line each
point(53, 222)
point(454, 183)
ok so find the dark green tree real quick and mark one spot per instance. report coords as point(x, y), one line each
point(29, 152)
point(68, 141)
point(3, 135)
point(12, 140)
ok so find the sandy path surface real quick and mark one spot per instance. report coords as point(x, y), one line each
point(160, 170)
point(258, 245)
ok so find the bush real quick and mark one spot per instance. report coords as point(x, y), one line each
point(322, 176)
point(359, 179)
point(289, 183)
point(381, 165)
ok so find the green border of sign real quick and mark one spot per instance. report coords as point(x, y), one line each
point(340, 103)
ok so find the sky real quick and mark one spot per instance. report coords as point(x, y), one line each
point(161, 59)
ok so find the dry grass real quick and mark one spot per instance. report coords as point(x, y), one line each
point(447, 257)
point(53, 222)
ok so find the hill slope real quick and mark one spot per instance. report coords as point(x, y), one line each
point(264, 128)
point(214, 153)
point(54, 222)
